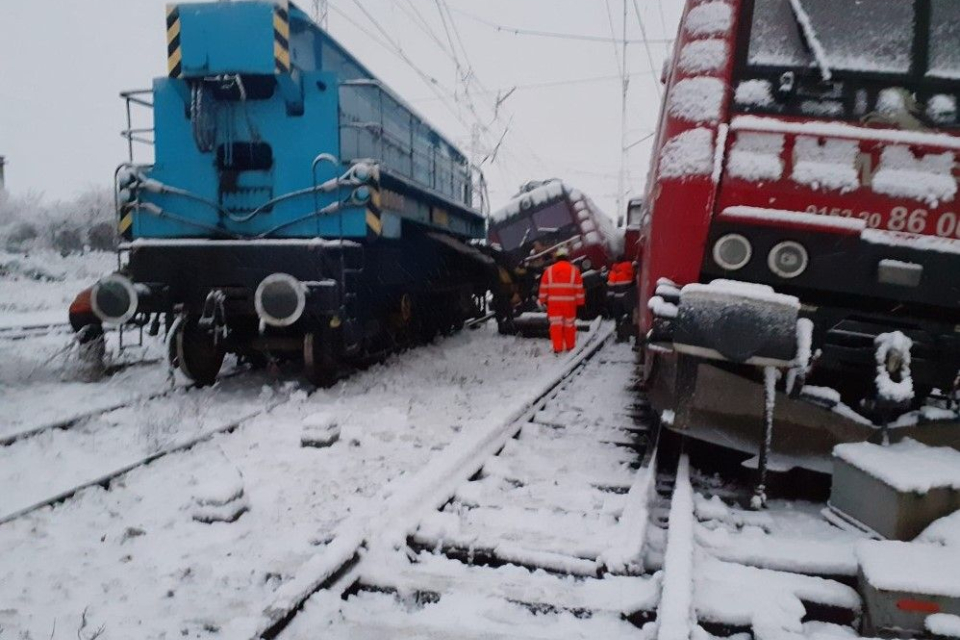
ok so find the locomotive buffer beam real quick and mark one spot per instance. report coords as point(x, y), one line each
point(732, 322)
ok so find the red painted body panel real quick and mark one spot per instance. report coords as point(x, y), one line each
point(878, 210)
point(674, 235)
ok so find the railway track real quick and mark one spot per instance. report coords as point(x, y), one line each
point(513, 496)
point(106, 477)
point(82, 417)
point(576, 520)
point(559, 515)
point(34, 330)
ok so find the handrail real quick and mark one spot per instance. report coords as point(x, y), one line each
point(420, 157)
point(131, 97)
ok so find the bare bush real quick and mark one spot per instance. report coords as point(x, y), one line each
point(102, 236)
point(29, 222)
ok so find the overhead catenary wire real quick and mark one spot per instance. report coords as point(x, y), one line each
point(387, 42)
point(519, 31)
point(453, 48)
point(475, 106)
point(646, 42)
point(545, 85)
point(663, 18)
point(615, 40)
point(439, 90)
point(435, 86)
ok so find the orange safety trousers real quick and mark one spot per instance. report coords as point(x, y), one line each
point(561, 290)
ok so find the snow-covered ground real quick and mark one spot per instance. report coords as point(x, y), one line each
point(37, 289)
point(135, 558)
point(41, 381)
point(543, 514)
point(581, 541)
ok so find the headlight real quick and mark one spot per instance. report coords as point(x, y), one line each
point(587, 264)
point(732, 251)
point(280, 300)
point(788, 259)
point(115, 299)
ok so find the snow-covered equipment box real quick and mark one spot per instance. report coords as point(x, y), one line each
point(904, 583)
point(896, 490)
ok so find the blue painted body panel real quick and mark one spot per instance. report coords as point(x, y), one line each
point(213, 45)
point(327, 104)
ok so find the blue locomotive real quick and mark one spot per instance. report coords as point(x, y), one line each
point(296, 207)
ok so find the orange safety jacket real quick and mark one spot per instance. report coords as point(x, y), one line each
point(620, 273)
point(561, 289)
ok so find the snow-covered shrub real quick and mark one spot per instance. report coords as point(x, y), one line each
point(21, 236)
point(28, 222)
point(102, 237)
point(67, 240)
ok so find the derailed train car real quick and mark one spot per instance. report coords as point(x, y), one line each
point(546, 215)
point(800, 229)
point(296, 206)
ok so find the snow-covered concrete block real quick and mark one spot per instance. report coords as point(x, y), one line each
point(220, 498)
point(902, 583)
point(320, 430)
point(909, 485)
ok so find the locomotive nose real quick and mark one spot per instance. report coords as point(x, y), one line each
point(114, 299)
point(280, 300)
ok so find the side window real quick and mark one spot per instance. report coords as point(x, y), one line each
point(555, 216)
point(944, 59)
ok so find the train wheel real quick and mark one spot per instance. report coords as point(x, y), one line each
point(320, 364)
point(198, 357)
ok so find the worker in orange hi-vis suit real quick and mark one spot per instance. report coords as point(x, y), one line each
point(561, 291)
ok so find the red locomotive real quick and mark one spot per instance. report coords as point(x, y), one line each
point(546, 215)
point(802, 216)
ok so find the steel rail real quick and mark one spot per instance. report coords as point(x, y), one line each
point(340, 565)
point(105, 480)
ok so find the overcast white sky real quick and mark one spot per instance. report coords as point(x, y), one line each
point(63, 63)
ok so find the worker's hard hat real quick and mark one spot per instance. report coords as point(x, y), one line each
point(561, 252)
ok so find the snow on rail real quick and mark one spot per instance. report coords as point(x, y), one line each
point(31, 428)
point(770, 602)
point(432, 573)
point(675, 613)
point(406, 503)
point(625, 551)
point(26, 501)
point(221, 576)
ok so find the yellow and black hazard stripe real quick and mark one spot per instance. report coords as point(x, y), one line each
point(281, 36)
point(174, 52)
point(374, 208)
point(126, 221)
point(374, 224)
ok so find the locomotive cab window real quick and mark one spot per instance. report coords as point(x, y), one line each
point(514, 234)
point(879, 57)
point(552, 218)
